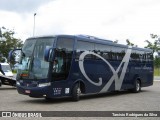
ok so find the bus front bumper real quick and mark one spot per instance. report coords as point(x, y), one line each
point(36, 92)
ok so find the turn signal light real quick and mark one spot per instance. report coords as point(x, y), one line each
point(24, 75)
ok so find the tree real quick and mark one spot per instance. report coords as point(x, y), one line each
point(157, 62)
point(10, 43)
point(0, 33)
point(129, 43)
point(155, 46)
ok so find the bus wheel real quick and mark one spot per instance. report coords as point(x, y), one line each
point(137, 86)
point(76, 91)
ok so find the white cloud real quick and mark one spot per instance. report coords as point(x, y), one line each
point(109, 19)
point(23, 6)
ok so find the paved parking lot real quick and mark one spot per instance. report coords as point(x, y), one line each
point(147, 100)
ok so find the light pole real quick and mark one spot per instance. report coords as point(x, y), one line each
point(34, 24)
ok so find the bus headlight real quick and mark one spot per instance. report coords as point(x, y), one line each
point(44, 84)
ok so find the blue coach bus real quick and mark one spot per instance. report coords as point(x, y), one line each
point(85, 64)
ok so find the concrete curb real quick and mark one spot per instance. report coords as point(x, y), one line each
point(157, 78)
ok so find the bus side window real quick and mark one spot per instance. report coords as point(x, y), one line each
point(103, 50)
point(84, 46)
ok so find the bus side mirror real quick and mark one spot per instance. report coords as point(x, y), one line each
point(10, 55)
point(49, 54)
point(14, 55)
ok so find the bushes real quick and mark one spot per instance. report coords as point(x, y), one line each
point(156, 71)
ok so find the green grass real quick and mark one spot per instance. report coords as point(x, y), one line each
point(156, 71)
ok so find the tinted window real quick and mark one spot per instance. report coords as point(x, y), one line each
point(103, 50)
point(81, 45)
point(65, 44)
point(84, 46)
point(101, 47)
point(149, 56)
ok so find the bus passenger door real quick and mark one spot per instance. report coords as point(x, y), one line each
point(63, 56)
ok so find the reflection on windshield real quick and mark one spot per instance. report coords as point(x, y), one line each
point(28, 47)
point(32, 64)
point(25, 64)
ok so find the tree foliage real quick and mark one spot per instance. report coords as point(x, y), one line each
point(157, 62)
point(10, 43)
point(129, 43)
point(155, 46)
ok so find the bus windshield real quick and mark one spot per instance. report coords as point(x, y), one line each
point(32, 64)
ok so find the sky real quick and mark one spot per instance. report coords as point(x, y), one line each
point(108, 19)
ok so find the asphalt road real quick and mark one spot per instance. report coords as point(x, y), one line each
point(147, 100)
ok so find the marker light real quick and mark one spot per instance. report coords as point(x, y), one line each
point(44, 84)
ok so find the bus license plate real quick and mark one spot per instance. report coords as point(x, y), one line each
point(27, 91)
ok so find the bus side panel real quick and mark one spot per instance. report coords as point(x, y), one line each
point(94, 69)
point(147, 74)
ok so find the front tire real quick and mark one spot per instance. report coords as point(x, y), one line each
point(76, 91)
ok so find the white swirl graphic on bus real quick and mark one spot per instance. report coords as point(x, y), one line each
point(118, 80)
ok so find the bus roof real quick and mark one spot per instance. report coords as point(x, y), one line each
point(95, 40)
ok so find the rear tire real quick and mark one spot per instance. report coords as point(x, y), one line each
point(137, 87)
point(76, 91)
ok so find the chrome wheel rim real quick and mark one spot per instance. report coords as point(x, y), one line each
point(138, 86)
